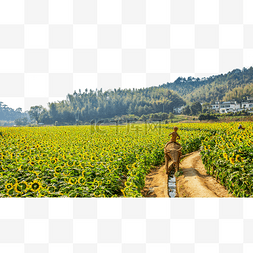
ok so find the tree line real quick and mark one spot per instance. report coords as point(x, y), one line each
point(9, 114)
point(109, 104)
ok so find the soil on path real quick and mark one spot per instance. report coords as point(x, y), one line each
point(156, 184)
point(194, 183)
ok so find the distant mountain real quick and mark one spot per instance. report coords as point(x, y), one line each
point(236, 84)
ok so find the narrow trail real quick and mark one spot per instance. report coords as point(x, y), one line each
point(156, 184)
point(194, 183)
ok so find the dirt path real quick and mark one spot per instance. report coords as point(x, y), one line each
point(156, 184)
point(194, 182)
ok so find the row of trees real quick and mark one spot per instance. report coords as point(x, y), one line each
point(194, 109)
point(9, 114)
point(215, 116)
point(100, 105)
point(161, 116)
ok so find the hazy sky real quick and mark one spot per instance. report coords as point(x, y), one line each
point(51, 48)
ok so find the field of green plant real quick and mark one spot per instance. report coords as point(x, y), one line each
point(227, 153)
point(112, 161)
point(228, 156)
point(83, 161)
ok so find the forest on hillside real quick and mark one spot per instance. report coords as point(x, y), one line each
point(100, 105)
point(236, 84)
point(240, 93)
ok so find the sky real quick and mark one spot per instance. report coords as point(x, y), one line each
point(47, 52)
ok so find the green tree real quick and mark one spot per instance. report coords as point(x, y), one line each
point(186, 110)
point(196, 108)
point(53, 110)
point(45, 117)
point(171, 115)
point(35, 112)
point(21, 121)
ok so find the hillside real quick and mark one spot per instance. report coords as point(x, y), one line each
point(236, 84)
point(240, 93)
point(92, 105)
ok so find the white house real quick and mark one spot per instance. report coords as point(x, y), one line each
point(229, 106)
point(233, 106)
point(178, 109)
point(248, 104)
point(216, 106)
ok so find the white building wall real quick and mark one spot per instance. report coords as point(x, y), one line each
point(247, 105)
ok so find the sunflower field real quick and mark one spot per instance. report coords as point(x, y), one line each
point(227, 153)
point(228, 156)
point(113, 161)
point(83, 161)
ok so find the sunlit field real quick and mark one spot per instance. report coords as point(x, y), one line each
point(112, 161)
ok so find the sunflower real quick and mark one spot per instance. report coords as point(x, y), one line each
point(225, 156)
point(20, 167)
point(30, 169)
point(8, 186)
point(16, 188)
point(40, 162)
point(24, 185)
point(10, 192)
point(70, 163)
point(58, 169)
point(42, 193)
point(237, 156)
point(21, 187)
point(232, 160)
point(35, 185)
point(81, 180)
point(123, 192)
point(44, 185)
point(32, 163)
point(36, 173)
point(51, 189)
point(127, 184)
point(65, 172)
point(72, 180)
point(82, 165)
point(12, 181)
